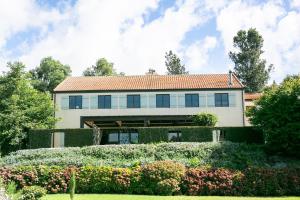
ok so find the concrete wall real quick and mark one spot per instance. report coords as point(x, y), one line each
point(227, 116)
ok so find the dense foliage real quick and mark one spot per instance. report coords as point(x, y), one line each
point(21, 108)
point(249, 67)
point(102, 68)
point(49, 74)
point(227, 154)
point(173, 64)
point(32, 193)
point(277, 113)
point(161, 178)
point(205, 119)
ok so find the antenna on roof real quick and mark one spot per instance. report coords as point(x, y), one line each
point(151, 71)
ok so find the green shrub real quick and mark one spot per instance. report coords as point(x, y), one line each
point(32, 193)
point(277, 113)
point(205, 119)
point(225, 154)
point(161, 177)
point(164, 178)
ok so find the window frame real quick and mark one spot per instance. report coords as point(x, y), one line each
point(77, 100)
point(134, 101)
point(105, 105)
point(162, 105)
point(192, 104)
point(223, 102)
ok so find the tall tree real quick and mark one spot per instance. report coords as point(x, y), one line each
point(49, 74)
point(21, 108)
point(102, 68)
point(173, 64)
point(249, 67)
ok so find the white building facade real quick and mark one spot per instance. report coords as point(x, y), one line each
point(149, 100)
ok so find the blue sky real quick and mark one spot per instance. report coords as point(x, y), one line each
point(135, 34)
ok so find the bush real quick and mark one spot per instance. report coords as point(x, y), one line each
point(165, 178)
point(225, 154)
point(201, 181)
point(161, 177)
point(205, 119)
point(32, 193)
point(277, 114)
point(270, 182)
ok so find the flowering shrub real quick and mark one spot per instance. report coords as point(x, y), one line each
point(32, 193)
point(161, 178)
point(201, 181)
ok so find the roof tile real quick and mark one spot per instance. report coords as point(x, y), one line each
point(147, 82)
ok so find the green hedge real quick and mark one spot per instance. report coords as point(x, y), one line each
point(84, 137)
point(159, 178)
point(42, 138)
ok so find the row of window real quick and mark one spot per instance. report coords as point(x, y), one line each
point(162, 101)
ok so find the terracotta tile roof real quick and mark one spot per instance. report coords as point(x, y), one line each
point(252, 96)
point(147, 82)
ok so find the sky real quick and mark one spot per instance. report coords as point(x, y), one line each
point(135, 34)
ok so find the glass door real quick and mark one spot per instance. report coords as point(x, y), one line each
point(124, 138)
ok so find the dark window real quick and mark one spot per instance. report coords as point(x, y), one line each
point(75, 102)
point(174, 136)
point(191, 100)
point(163, 101)
point(133, 101)
point(221, 100)
point(104, 101)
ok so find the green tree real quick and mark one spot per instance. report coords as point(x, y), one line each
point(205, 119)
point(102, 68)
point(249, 67)
point(21, 108)
point(49, 74)
point(173, 64)
point(277, 113)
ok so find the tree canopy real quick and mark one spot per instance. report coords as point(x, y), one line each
point(21, 108)
point(49, 74)
point(249, 67)
point(173, 64)
point(102, 68)
point(277, 113)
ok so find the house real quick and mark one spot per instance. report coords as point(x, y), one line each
point(148, 100)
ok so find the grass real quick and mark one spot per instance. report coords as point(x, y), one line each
point(142, 197)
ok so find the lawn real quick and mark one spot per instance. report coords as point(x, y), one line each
point(142, 197)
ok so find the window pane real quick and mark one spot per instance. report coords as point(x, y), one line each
point(225, 102)
point(188, 100)
point(129, 101)
point(101, 101)
point(162, 100)
point(159, 100)
point(108, 101)
point(218, 100)
point(134, 138)
point(133, 101)
point(195, 100)
point(75, 102)
point(113, 137)
point(71, 102)
point(172, 137)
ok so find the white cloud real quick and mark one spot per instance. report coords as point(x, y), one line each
point(197, 54)
point(117, 31)
point(295, 4)
point(280, 29)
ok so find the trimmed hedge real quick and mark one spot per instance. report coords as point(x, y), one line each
point(160, 178)
point(42, 138)
point(84, 137)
